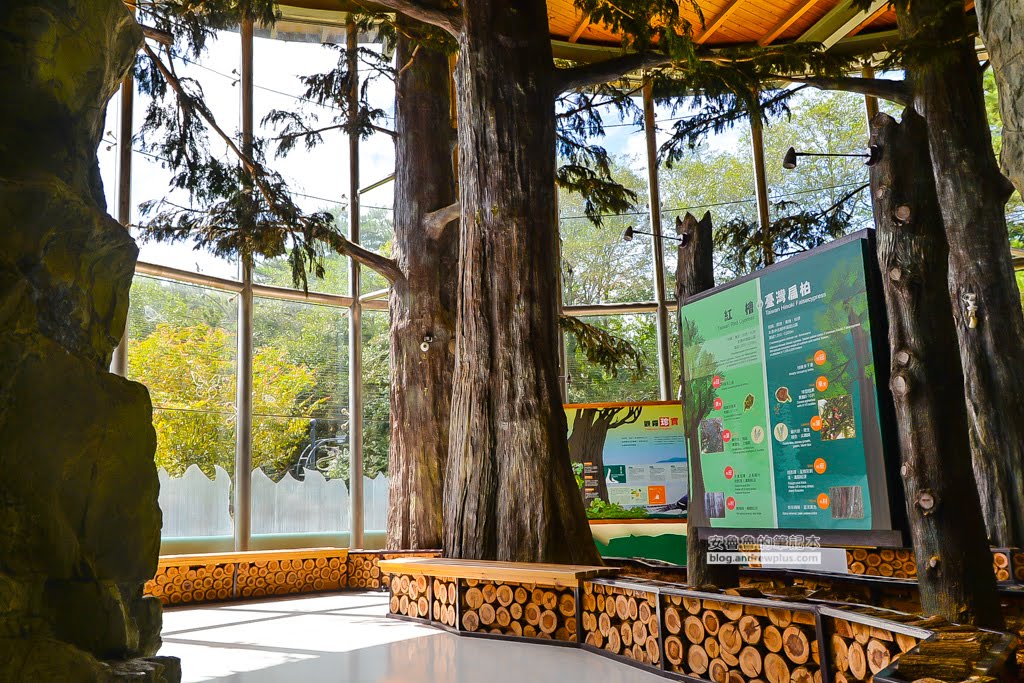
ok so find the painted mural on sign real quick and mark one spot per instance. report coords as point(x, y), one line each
point(631, 455)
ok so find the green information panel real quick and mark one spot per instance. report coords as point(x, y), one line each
point(784, 403)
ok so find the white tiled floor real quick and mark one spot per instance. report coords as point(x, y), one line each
point(347, 638)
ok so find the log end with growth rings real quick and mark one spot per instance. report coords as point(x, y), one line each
point(926, 502)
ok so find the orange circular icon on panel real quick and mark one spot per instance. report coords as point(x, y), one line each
point(816, 423)
point(819, 357)
point(821, 384)
point(820, 466)
point(823, 501)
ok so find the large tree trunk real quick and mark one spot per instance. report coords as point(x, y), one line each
point(695, 273)
point(78, 485)
point(510, 493)
point(972, 195)
point(423, 302)
point(946, 525)
point(999, 21)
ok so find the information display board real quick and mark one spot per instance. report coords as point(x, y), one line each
point(782, 397)
point(632, 454)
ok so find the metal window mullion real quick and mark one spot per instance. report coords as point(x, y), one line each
point(658, 247)
point(119, 362)
point(243, 393)
point(355, 336)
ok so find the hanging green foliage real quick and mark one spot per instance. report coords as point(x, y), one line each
point(603, 348)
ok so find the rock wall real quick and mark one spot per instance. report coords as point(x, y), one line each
point(79, 521)
point(1003, 33)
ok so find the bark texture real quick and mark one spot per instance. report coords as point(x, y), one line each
point(986, 306)
point(510, 493)
point(946, 525)
point(695, 273)
point(1000, 23)
point(422, 301)
point(78, 485)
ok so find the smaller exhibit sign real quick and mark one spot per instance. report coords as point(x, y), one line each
point(631, 454)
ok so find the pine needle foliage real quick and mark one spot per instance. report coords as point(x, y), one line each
point(238, 207)
point(604, 348)
point(747, 247)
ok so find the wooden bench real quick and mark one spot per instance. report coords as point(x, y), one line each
point(503, 599)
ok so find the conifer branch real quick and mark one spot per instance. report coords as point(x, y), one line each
point(435, 221)
point(383, 265)
point(449, 20)
point(597, 73)
point(894, 91)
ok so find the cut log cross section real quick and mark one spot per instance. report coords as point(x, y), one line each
point(728, 638)
point(521, 610)
point(628, 623)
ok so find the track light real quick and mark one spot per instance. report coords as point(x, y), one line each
point(873, 155)
point(627, 235)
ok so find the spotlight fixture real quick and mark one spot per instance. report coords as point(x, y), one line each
point(873, 155)
point(627, 235)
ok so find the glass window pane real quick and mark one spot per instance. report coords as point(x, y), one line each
point(317, 177)
point(598, 265)
point(300, 421)
point(590, 383)
point(217, 74)
point(107, 152)
point(183, 346)
point(376, 418)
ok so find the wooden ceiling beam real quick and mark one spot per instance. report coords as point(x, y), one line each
point(718, 21)
point(580, 28)
point(839, 23)
point(870, 20)
point(790, 19)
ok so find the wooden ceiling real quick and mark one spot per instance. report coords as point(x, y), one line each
point(838, 24)
point(736, 22)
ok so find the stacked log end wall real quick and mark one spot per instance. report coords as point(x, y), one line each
point(364, 572)
point(410, 596)
point(445, 602)
point(895, 563)
point(524, 610)
point(858, 650)
point(263, 577)
point(899, 563)
point(727, 640)
point(226, 576)
point(188, 584)
point(622, 620)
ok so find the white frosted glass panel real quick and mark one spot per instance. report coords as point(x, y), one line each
point(375, 503)
point(193, 505)
point(290, 506)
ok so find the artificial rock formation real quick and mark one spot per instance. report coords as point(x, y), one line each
point(78, 486)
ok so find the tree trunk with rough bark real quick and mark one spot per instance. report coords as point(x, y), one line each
point(510, 493)
point(695, 273)
point(1000, 23)
point(946, 524)
point(423, 301)
point(972, 195)
point(590, 431)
